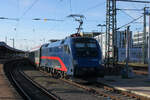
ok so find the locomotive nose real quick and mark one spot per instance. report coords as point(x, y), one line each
point(88, 62)
point(89, 67)
point(75, 62)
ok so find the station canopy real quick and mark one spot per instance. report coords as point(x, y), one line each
point(7, 49)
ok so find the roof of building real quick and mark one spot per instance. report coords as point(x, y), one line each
point(4, 46)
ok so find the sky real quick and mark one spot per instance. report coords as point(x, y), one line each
point(29, 33)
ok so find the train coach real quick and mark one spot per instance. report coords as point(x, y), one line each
point(72, 56)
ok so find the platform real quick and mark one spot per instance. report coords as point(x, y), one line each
point(7, 92)
point(139, 84)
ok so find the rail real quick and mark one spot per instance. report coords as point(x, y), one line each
point(25, 86)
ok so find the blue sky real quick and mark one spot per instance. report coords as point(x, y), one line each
point(31, 33)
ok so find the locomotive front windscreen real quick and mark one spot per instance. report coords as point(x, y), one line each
point(86, 48)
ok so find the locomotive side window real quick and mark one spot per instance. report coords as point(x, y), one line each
point(46, 45)
point(62, 42)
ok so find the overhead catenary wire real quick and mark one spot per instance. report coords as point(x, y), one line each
point(124, 11)
point(28, 9)
point(93, 7)
point(18, 7)
point(24, 13)
point(130, 15)
point(130, 22)
point(136, 1)
point(129, 9)
point(70, 4)
point(127, 14)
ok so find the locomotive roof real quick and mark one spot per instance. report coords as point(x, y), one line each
point(82, 37)
point(53, 44)
point(89, 39)
point(35, 48)
point(61, 42)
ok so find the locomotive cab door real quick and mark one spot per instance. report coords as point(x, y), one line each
point(67, 49)
point(68, 59)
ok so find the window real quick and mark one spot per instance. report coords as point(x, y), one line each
point(80, 45)
point(46, 45)
point(91, 45)
point(86, 49)
point(62, 42)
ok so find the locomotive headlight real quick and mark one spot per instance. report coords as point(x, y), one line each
point(75, 62)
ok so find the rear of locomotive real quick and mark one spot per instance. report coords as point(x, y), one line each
point(87, 57)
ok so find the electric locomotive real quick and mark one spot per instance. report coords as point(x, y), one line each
point(72, 56)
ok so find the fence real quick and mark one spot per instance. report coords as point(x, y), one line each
point(135, 55)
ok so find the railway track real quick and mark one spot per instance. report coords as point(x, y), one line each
point(117, 94)
point(33, 91)
point(27, 88)
point(100, 89)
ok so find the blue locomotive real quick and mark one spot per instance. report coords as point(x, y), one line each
point(72, 56)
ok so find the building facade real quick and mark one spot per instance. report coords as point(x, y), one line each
point(101, 39)
point(121, 41)
point(138, 39)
